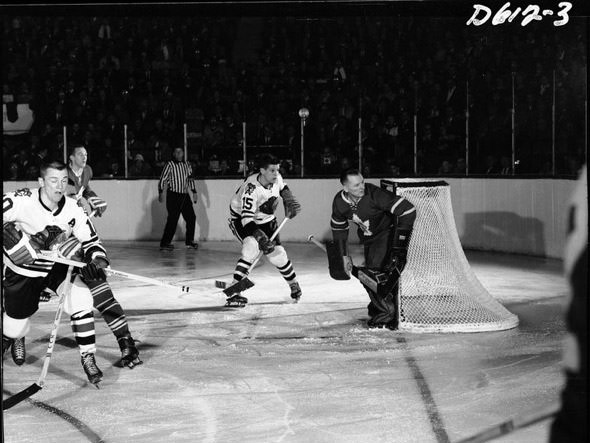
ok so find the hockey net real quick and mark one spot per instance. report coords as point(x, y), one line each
point(439, 291)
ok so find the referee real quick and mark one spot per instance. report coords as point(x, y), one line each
point(177, 179)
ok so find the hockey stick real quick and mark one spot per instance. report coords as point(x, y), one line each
point(52, 256)
point(346, 260)
point(514, 423)
point(246, 283)
point(36, 387)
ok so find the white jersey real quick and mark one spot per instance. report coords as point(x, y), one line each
point(25, 208)
point(254, 202)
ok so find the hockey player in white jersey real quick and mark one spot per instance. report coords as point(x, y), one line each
point(252, 220)
point(40, 219)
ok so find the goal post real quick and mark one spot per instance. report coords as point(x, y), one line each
point(438, 290)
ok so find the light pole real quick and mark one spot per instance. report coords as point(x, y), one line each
point(303, 114)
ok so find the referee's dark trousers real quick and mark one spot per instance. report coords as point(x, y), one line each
point(176, 204)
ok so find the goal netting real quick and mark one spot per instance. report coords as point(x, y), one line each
point(439, 291)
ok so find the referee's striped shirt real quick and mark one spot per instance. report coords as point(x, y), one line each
point(177, 176)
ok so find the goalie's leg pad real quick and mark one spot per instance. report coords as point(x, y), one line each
point(339, 265)
point(79, 299)
point(15, 327)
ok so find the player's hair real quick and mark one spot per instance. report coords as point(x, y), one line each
point(267, 159)
point(350, 171)
point(73, 148)
point(51, 164)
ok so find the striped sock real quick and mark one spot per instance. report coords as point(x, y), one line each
point(242, 269)
point(109, 308)
point(83, 327)
point(287, 271)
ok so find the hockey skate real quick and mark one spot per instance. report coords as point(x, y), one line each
point(18, 351)
point(92, 371)
point(295, 291)
point(236, 301)
point(392, 325)
point(129, 352)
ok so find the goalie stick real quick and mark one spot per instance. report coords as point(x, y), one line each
point(246, 283)
point(36, 387)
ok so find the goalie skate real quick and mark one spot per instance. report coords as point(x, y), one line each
point(92, 371)
point(129, 352)
point(236, 301)
point(295, 291)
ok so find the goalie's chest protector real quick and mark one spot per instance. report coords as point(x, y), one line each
point(372, 213)
point(26, 209)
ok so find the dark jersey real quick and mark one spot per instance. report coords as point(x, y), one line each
point(374, 213)
point(77, 182)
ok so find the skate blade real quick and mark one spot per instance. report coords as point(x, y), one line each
point(235, 305)
point(132, 364)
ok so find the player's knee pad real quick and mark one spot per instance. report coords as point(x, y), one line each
point(79, 298)
point(250, 249)
point(278, 257)
point(15, 327)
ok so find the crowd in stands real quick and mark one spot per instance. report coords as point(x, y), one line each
point(385, 75)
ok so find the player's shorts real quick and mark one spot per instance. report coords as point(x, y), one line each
point(21, 294)
point(268, 228)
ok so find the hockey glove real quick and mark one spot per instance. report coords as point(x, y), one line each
point(292, 206)
point(11, 235)
point(97, 204)
point(23, 250)
point(264, 243)
point(94, 272)
point(46, 238)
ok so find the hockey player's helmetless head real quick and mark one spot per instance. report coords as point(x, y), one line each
point(353, 183)
point(78, 157)
point(53, 183)
point(269, 170)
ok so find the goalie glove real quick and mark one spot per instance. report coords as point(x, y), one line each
point(97, 204)
point(264, 243)
point(292, 206)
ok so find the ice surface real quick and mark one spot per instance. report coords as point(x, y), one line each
point(281, 372)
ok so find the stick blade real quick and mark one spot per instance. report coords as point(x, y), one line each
point(220, 284)
point(240, 286)
point(20, 396)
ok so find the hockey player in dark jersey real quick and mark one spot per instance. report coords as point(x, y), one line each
point(79, 175)
point(39, 219)
point(253, 222)
point(385, 223)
